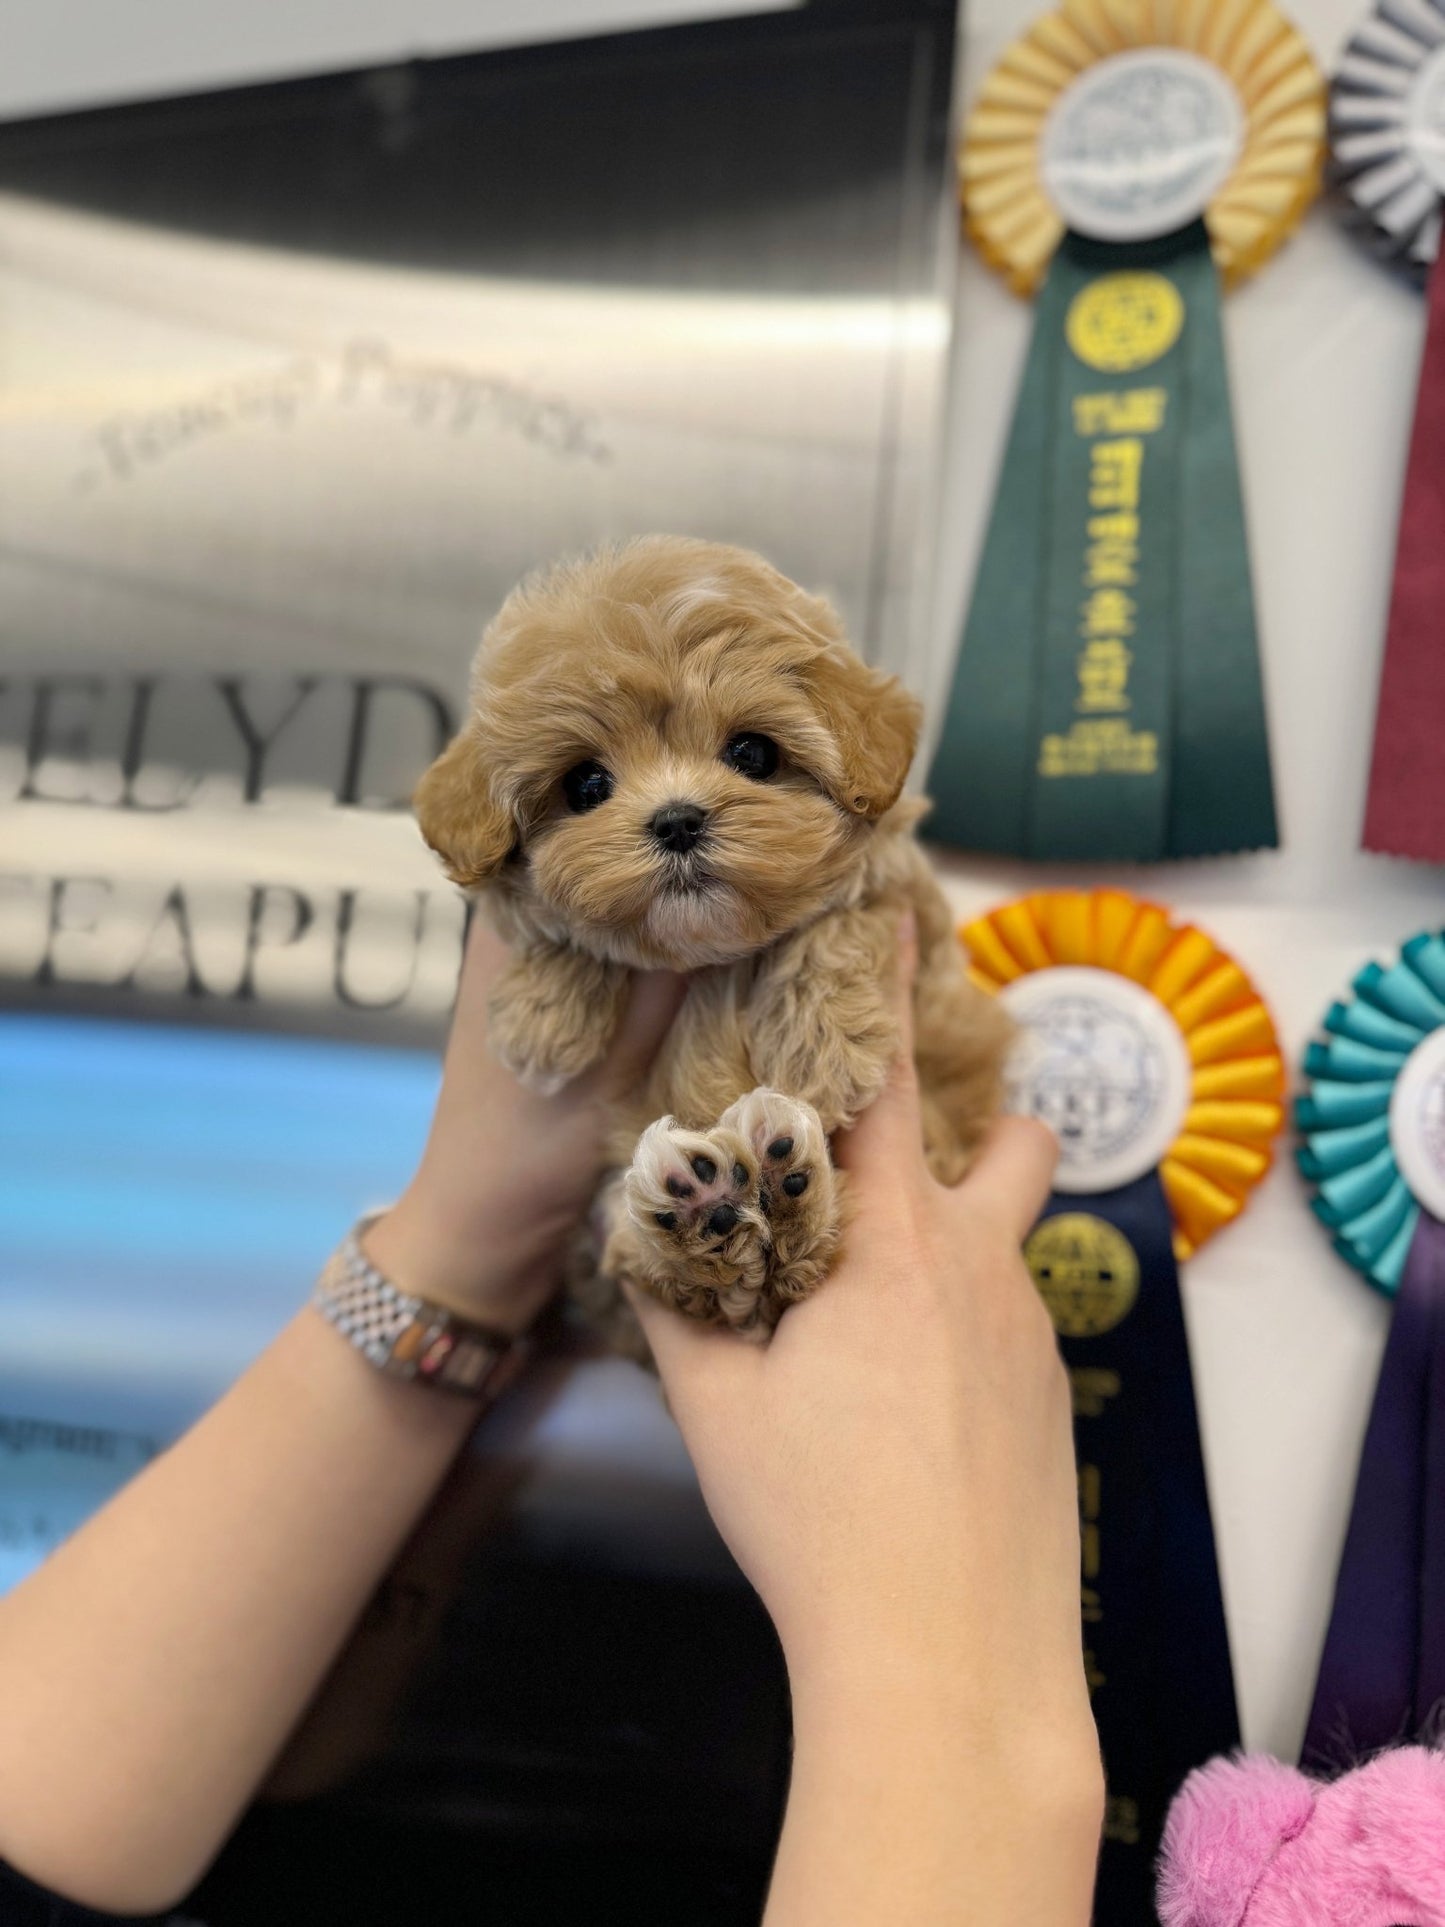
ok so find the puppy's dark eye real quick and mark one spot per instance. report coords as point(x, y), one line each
point(752, 755)
point(585, 786)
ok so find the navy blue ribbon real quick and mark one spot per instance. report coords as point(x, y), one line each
point(1154, 1629)
point(1382, 1676)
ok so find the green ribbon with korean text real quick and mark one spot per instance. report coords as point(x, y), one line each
point(1108, 702)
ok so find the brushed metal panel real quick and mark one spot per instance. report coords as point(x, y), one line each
point(299, 379)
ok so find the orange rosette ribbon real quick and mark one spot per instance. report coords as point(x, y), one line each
point(1234, 1109)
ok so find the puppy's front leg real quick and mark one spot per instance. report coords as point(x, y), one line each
point(553, 1013)
point(822, 1020)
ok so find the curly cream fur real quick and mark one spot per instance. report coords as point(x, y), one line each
point(647, 659)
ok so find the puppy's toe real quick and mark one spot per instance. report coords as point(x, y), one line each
point(693, 1177)
point(788, 1143)
point(798, 1191)
point(692, 1199)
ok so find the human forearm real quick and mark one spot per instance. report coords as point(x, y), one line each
point(908, 1805)
point(151, 1669)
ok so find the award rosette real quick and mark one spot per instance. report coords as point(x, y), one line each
point(1387, 165)
point(1149, 1052)
point(1372, 1125)
point(1107, 702)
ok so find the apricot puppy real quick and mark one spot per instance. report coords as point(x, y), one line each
point(674, 759)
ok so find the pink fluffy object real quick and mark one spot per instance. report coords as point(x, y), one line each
point(1251, 1843)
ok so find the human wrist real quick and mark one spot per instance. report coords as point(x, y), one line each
point(975, 1809)
point(1035, 1739)
point(423, 1250)
point(914, 1799)
point(312, 1345)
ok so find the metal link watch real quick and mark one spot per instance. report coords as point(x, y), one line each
point(408, 1337)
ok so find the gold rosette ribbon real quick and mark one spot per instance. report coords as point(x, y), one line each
point(1121, 160)
point(1007, 210)
point(1222, 1147)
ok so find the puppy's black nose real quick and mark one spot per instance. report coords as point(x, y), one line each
point(677, 826)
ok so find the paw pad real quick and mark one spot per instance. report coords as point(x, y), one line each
point(735, 1221)
point(788, 1140)
point(710, 1180)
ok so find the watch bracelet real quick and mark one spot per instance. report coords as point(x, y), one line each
point(409, 1337)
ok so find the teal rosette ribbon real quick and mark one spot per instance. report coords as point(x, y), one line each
point(1372, 1118)
point(1373, 1126)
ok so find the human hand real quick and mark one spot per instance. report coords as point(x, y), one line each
point(506, 1172)
point(895, 1471)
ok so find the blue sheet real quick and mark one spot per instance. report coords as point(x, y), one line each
point(167, 1195)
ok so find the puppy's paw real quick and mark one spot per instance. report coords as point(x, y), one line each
point(798, 1191)
point(552, 1015)
point(698, 1237)
point(788, 1145)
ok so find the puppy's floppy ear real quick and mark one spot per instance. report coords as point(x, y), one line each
point(471, 833)
point(874, 722)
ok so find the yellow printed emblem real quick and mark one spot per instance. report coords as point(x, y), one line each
point(1087, 1272)
point(1124, 321)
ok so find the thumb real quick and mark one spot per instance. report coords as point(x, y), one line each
point(1010, 1179)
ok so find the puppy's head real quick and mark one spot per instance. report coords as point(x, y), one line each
point(673, 756)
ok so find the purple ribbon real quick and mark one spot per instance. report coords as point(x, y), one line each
point(1382, 1677)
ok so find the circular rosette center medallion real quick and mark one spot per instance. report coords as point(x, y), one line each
point(1141, 1043)
point(1104, 1065)
point(1140, 144)
point(1086, 1270)
point(1417, 1123)
point(1121, 322)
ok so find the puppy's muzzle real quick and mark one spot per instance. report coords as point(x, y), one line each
point(678, 827)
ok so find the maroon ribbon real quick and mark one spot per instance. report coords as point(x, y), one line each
point(1405, 807)
point(1382, 1677)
